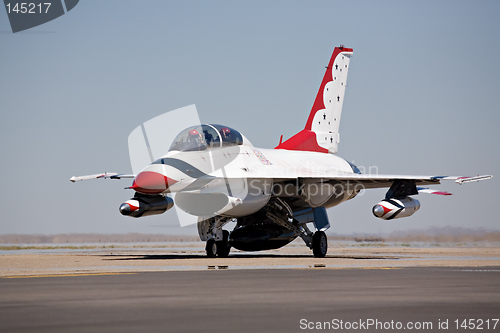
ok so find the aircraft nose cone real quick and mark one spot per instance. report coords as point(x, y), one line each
point(125, 209)
point(150, 182)
point(378, 210)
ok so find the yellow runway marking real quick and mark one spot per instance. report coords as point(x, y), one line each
point(61, 275)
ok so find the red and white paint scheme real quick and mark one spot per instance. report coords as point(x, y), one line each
point(389, 209)
point(274, 195)
point(321, 133)
point(145, 206)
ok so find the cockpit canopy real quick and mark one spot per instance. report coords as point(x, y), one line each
point(208, 136)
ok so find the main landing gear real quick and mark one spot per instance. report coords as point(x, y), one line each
point(282, 214)
point(210, 230)
point(319, 244)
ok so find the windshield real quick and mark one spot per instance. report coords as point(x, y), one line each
point(230, 137)
point(203, 137)
point(196, 138)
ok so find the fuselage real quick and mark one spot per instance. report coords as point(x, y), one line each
point(246, 175)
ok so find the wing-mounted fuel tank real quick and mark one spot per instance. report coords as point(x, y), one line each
point(145, 205)
point(392, 208)
point(397, 202)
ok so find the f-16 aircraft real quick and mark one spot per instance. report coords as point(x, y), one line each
point(273, 195)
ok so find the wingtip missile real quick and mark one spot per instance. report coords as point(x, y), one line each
point(96, 176)
point(462, 180)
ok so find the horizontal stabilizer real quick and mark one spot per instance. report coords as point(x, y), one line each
point(428, 190)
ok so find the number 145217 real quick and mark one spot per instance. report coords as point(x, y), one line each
point(28, 8)
point(477, 324)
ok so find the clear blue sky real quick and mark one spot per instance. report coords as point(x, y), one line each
point(422, 98)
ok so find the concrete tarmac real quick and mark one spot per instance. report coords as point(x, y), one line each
point(270, 300)
point(36, 262)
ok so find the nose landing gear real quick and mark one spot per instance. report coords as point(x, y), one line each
point(218, 248)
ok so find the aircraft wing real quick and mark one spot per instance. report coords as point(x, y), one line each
point(381, 181)
point(283, 165)
point(394, 182)
point(331, 175)
point(366, 181)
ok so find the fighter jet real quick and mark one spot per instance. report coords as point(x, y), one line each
point(273, 195)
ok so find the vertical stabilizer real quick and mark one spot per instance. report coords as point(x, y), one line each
point(321, 133)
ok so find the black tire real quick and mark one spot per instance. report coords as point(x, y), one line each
point(223, 246)
point(223, 249)
point(211, 248)
point(319, 244)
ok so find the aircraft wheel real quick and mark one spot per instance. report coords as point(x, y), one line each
point(211, 248)
point(319, 244)
point(223, 246)
point(223, 249)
